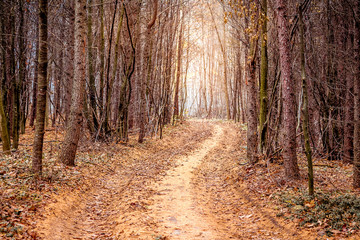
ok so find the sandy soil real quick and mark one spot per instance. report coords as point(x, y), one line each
point(179, 216)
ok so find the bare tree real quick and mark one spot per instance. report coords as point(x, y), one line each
point(72, 135)
point(287, 80)
point(42, 89)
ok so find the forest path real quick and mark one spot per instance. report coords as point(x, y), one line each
point(174, 205)
point(185, 186)
point(110, 203)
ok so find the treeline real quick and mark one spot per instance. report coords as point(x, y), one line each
point(299, 70)
point(110, 67)
point(289, 69)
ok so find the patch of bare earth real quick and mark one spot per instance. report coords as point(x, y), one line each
point(172, 211)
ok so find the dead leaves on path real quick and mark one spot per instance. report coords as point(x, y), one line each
point(238, 195)
point(119, 176)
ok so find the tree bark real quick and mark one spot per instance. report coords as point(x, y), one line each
point(252, 121)
point(288, 83)
point(20, 83)
point(70, 60)
point(72, 135)
point(263, 77)
point(5, 137)
point(42, 89)
point(92, 89)
point(35, 81)
point(102, 57)
point(348, 151)
point(305, 108)
point(178, 75)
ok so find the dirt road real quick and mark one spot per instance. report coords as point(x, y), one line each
point(174, 206)
point(182, 187)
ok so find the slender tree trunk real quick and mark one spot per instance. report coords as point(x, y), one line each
point(70, 60)
point(106, 111)
point(305, 108)
point(59, 79)
point(349, 121)
point(92, 89)
point(263, 77)
point(72, 135)
point(5, 137)
point(102, 56)
point(35, 82)
point(225, 82)
point(184, 84)
point(168, 74)
point(4, 123)
point(4, 127)
point(178, 75)
point(42, 89)
point(14, 113)
point(252, 137)
point(348, 147)
point(288, 83)
point(20, 84)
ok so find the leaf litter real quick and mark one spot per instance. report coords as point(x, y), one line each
point(109, 193)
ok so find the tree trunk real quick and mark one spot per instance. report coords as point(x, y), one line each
point(305, 108)
point(72, 135)
point(288, 83)
point(263, 77)
point(102, 57)
point(58, 80)
point(106, 110)
point(42, 89)
point(92, 89)
point(252, 137)
point(70, 62)
point(178, 75)
point(356, 180)
point(20, 126)
point(5, 137)
point(348, 150)
point(35, 81)
point(14, 113)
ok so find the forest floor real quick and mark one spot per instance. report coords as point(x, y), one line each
point(194, 183)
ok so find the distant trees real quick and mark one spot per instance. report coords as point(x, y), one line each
point(14, 71)
point(104, 83)
point(139, 65)
point(329, 50)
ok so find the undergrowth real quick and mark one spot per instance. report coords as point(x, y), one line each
point(335, 213)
